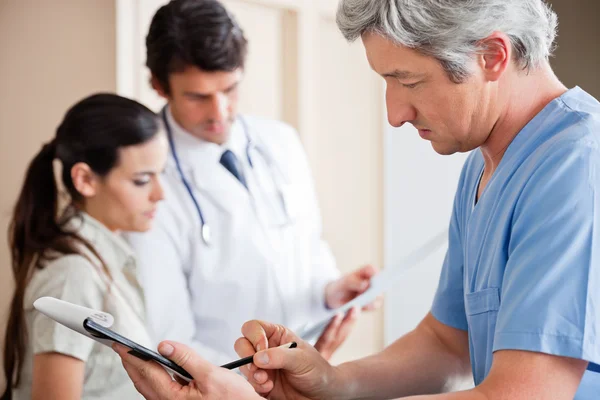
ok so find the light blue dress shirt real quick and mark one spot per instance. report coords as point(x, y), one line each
point(522, 270)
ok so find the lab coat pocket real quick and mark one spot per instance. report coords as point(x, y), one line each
point(295, 198)
point(482, 312)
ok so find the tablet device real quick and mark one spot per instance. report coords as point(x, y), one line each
point(101, 332)
point(95, 325)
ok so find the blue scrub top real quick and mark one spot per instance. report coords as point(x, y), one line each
point(522, 271)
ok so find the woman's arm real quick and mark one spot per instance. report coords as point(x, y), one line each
point(57, 376)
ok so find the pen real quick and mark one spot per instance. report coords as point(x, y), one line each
point(248, 360)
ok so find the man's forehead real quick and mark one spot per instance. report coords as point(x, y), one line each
point(392, 60)
point(197, 82)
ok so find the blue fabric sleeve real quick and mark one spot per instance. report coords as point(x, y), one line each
point(550, 299)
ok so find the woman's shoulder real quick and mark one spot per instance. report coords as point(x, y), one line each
point(68, 266)
point(71, 277)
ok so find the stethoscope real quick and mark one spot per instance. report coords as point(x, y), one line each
point(205, 231)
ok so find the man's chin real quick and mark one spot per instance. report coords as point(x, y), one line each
point(443, 149)
point(213, 136)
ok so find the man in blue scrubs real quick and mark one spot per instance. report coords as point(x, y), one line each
point(518, 302)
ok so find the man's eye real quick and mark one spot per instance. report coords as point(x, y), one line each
point(140, 183)
point(410, 85)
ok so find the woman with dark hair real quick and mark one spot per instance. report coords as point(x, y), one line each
point(111, 151)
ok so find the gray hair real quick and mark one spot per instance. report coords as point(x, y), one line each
point(451, 31)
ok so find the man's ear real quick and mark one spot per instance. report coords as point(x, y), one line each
point(156, 85)
point(496, 56)
point(84, 180)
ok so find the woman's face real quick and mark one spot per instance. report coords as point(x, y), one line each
point(126, 198)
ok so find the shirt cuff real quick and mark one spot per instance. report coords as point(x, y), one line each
point(319, 306)
point(450, 310)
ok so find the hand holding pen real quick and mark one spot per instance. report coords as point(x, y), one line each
point(209, 381)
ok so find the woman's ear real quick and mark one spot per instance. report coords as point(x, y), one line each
point(84, 179)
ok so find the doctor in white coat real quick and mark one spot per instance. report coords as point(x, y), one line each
point(238, 236)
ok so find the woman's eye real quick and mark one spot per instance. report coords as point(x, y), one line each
point(140, 183)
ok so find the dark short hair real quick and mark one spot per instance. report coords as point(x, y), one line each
point(199, 33)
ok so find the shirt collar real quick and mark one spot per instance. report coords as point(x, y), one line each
point(189, 147)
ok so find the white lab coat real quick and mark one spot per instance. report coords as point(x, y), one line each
point(254, 268)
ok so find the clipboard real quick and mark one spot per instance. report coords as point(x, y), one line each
point(380, 283)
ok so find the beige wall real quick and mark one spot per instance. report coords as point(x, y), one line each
point(346, 153)
point(577, 56)
point(53, 53)
point(301, 70)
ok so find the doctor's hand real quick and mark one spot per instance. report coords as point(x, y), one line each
point(336, 333)
point(210, 382)
point(338, 293)
point(349, 286)
point(283, 373)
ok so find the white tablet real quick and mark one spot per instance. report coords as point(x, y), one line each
point(95, 325)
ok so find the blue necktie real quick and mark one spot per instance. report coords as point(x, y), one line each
point(230, 161)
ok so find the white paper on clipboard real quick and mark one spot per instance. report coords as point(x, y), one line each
point(380, 283)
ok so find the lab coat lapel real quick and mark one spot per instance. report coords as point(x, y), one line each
point(216, 183)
